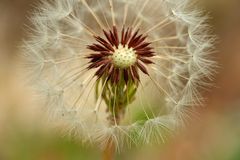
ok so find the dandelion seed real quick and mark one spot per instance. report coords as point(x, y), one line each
point(105, 50)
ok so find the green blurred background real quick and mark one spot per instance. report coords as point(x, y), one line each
point(214, 136)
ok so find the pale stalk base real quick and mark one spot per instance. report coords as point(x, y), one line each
point(109, 152)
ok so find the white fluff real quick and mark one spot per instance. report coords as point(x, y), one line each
point(57, 44)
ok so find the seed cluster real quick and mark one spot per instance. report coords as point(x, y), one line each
point(120, 55)
point(124, 57)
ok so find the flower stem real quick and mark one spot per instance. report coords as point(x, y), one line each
point(109, 152)
point(117, 97)
point(110, 149)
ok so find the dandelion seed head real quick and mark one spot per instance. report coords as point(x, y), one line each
point(94, 61)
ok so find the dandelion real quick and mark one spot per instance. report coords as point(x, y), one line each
point(97, 64)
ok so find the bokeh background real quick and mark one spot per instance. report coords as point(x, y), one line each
point(214, 135)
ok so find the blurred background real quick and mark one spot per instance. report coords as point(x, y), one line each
point(214, 136)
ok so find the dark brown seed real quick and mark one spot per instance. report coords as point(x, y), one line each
point(117, 76)
point(142, 68)
point(125, 75)
point(99, 63)
point(105, 53)
point(113, 39)
point(142, 45)
point(108, 36)
point(148, 55)
point(135, 72)
point(144, 60)
point(128, 35)
point(97, 48)
point(95, 59)
point(115, 32)
point(101, 70)
point(110, 71)
point(112, 75)
point(142, 39)
point(144, 53)
point(131, 74)
point(104, 43)
point(96, 55)
point(144, 49)
point(134, 42)
point(123, 33)
point(133, 37)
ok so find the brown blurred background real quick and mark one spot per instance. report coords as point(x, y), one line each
point(216, 131)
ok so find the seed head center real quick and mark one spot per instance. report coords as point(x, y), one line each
point(124, 57)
